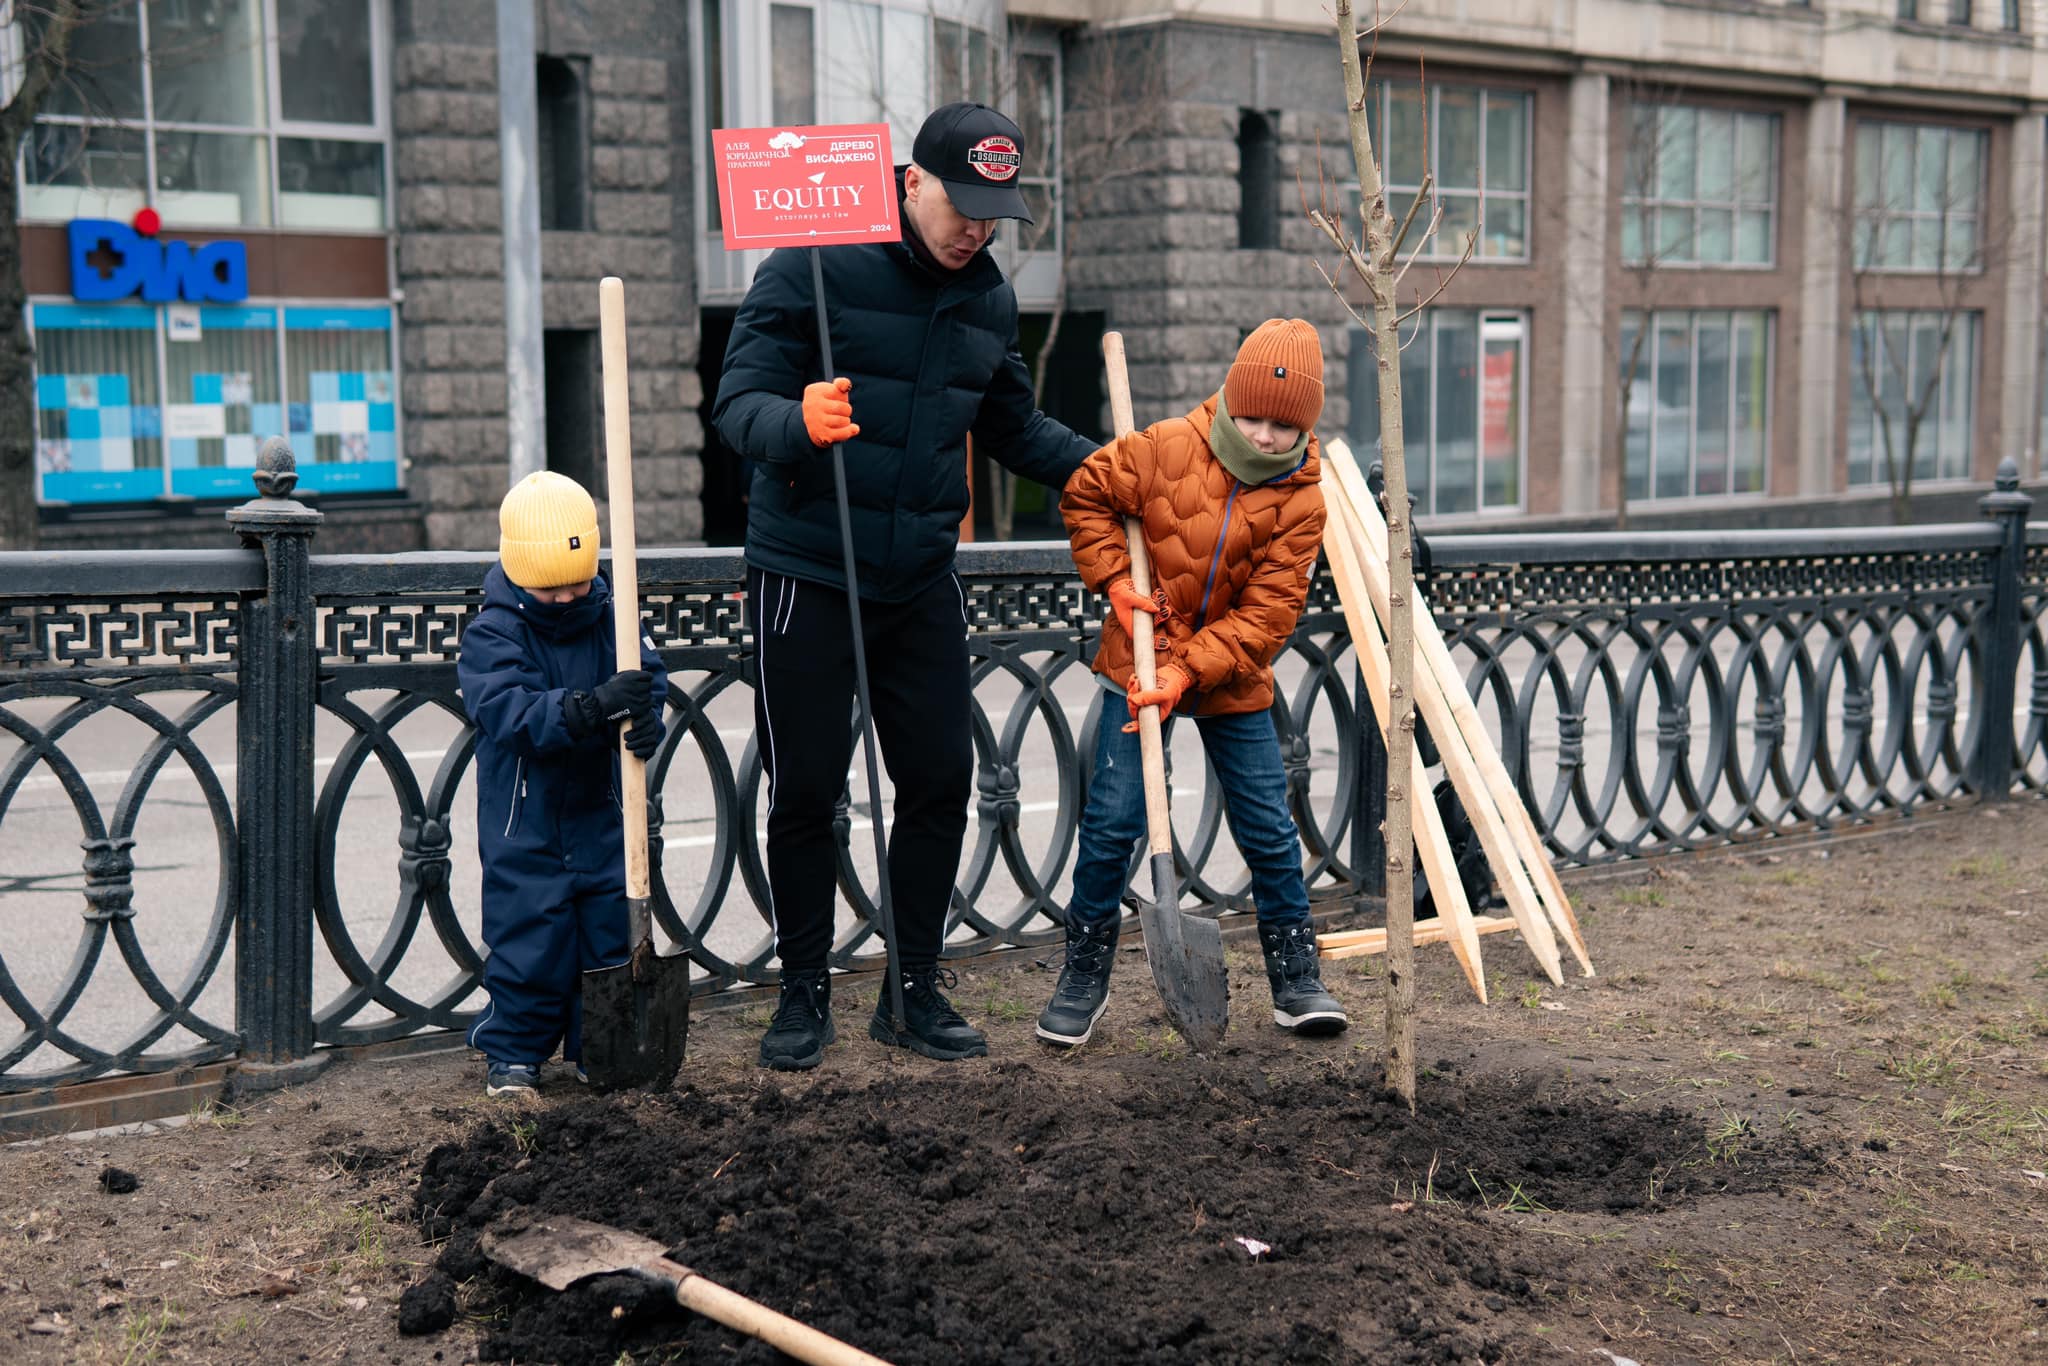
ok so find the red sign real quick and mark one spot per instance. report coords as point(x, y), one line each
point(806, 187)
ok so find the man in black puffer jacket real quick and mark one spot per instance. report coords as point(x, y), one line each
point(924, 339)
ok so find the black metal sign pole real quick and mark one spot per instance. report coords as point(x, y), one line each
point(883, 902)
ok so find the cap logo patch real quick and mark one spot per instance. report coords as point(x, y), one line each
point(995, 158)
point(575, 543)
point(1279, 372)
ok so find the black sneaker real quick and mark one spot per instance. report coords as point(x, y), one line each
point(513, 1079)
point(796, 1037)
point(1300, 1002)
point(1083, 990)
point(933, 1028)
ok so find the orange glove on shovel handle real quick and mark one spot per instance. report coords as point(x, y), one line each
point(828, 412)
point(1125, 599)
point(1174, 681)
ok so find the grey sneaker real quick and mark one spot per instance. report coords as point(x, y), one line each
point(511, 1079)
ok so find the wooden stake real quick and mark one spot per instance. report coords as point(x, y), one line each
point(1435, 930)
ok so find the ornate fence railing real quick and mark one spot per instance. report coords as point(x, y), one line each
point(237, 797)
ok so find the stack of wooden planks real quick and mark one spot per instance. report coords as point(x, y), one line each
point(1355, 542)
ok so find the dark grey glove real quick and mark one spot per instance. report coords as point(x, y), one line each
point(629, 692)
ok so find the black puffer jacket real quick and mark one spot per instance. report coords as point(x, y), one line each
point(933, 356)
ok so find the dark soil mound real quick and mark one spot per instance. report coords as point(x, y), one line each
point(1022, 1213)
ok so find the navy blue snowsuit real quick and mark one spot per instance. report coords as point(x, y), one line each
point(548, 824)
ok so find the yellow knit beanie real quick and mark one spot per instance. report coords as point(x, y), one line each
point(1278, 374)
point(547, 532)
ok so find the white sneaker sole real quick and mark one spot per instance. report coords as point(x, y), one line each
point(1314, 1023)
point(1074, 1040)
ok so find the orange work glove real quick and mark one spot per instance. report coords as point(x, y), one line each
point(1173, 682)
point(828, 415)
point(1125, 598)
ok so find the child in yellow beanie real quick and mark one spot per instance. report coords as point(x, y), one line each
point(1232, 511)
point(539, 685)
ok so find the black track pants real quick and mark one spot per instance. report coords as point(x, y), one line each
point(803, 722)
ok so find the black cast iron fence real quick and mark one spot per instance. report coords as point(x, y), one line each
point(261, 755)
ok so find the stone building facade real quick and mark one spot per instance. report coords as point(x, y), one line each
point(439, 184)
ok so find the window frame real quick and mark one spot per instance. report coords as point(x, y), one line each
point(1971, 335)
point(1382, 96)
point(1646, 382)
point(1425, 335)
point(273, 127)
point(281, 307)
point(1650, 205)
point(1868, 225)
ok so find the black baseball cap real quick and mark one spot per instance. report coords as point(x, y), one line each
point(979, 154)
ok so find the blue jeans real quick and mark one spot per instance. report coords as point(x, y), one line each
point(1245, 752)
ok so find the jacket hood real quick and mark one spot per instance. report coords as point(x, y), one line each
point(556, 621)
point(1309, 471)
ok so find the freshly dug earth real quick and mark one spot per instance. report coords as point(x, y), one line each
point(1033, 1212)
point(1801, 1116)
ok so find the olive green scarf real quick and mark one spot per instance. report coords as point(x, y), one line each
point(1244, 460)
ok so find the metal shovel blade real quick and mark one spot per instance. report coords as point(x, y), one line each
point(636, 1018)
point(559, 1251)
point(1186, 954)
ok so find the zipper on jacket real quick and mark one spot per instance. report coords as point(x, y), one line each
point(1216, 560)
point(518, 796)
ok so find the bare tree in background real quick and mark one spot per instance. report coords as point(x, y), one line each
point(1381, 263)
point(1922, 244)
point(1118, 100)
point(50, 62)
point(1648, 248)
point(35, 57)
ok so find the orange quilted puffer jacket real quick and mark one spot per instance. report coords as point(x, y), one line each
point(1235, 559)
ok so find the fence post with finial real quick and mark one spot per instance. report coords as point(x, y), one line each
point(1991, 764)
point(278, 657)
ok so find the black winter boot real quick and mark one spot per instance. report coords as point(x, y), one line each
point(796, 1037)
point(1083, 991)
point(1299, 1001)
point(933, 1028)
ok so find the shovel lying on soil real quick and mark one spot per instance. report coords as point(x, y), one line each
point(560, 1251)
point(635, 1016)
point(1185, 951)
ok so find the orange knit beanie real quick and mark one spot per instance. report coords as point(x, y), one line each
point(1278, 374)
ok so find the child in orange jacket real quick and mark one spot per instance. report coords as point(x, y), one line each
point(1232, 512)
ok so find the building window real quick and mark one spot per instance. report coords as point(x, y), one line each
point(1038, 119)
point(1909, 10)
point(1464, 390)
point(135, 403)
point(1912, 395)
point(562, 86)
point(1700, 187)
point(1476, 141)
point(1959, 12)
point(2009, 15)
point(1698, 403)
point(569, 369)
point(201, 138)
point(793, 61)
point(892, 63)
point(1258, 169)
point(1919, 197)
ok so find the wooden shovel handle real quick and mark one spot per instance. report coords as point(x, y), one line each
point(757, 1320)
point(1158, 817)
point(618, 458)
